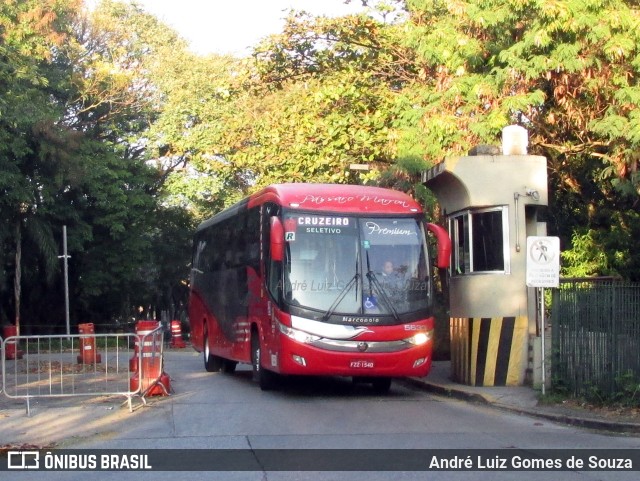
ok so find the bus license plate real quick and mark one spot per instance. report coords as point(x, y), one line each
point(361, 364)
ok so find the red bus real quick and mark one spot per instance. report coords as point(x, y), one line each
point(316, 279)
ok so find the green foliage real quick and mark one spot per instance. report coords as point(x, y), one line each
point(585, 258)
point(400, 95)
point(315, 131)
point(628, 393)
point(36, 151)
point(279, 119)
point(71, 124)
point(110, 126)
point(565, 70)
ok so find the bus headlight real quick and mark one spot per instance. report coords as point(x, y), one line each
point(420, 338)
point(297, 335)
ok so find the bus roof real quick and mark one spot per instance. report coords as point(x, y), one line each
point(338, 197)
point(341, 198)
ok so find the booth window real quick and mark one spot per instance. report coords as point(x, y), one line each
point(479, 240)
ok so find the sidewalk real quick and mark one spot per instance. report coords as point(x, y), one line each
point(524, 400)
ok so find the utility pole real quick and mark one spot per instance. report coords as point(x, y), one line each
point(66, 277)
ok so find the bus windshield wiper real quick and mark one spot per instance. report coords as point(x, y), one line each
point(373, 279)
point(342, 295)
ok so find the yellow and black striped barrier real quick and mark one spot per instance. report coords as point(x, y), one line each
point(489, 351)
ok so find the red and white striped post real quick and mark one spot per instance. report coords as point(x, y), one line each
point(88, 353)
point(176, 335)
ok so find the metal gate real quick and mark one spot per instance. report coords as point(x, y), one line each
point(595, 336)
point(127, 365)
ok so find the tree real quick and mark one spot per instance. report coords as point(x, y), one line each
point(200, 103)
point(30, 139)
point(114, 102)
point(457, 72)
point(236, 125)
point(72, 130)
point(110, 126)
point(333, 82)
point(568, 72)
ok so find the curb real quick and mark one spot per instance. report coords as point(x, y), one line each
point(587, 423)
point(579, 421)
point(449, 392)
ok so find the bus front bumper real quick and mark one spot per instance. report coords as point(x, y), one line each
point(364, 359)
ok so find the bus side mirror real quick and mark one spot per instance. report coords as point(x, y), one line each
point(277, 239)
point(444, 245)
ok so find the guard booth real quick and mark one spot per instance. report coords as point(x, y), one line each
point(491, 202)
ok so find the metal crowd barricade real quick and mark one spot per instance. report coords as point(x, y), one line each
point(56, 366)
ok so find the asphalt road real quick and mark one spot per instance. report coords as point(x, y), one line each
point(229, 411)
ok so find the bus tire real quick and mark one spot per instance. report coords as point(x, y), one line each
point(211, 363)
point(381, 385)
point(266, 379)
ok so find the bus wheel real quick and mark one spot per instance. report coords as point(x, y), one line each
point(211, 363)
point(381, 385)
point(266, 379)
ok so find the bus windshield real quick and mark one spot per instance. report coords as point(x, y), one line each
point(352, 265)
